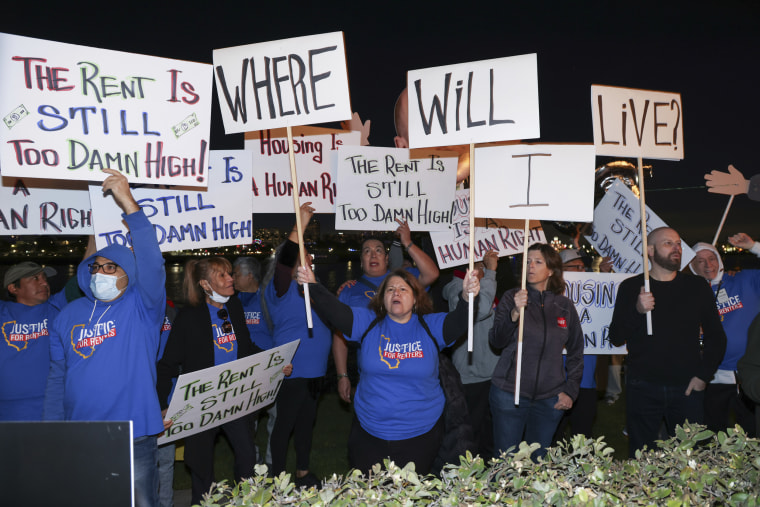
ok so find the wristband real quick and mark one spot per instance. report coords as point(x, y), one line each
point(410, 245)
point(341, 375)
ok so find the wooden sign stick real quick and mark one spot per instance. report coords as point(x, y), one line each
point(523, 285)
point(471, 303)
point(644, 246)
point(723, 220)
point(297, 205)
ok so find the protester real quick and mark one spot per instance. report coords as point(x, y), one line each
point(25, 352)
point(399, 401)
point(737, 297)
point(246, 275)
point(209, 331)
point(580, 417)
point(103, 346)
point(374, 264)
point(749, 368)
point(667, 372)
point(299, 395)
point(166, 452)
point(476, 368)
point(548, 385)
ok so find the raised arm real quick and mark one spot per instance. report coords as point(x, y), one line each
point(329, 308)
point(428, 269)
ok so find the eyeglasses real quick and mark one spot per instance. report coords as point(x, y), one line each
point(226, 325)
point(108, 268)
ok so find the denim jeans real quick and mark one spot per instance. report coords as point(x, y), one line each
point(648, 403)
point(166, 455)
point(530, 421)
point(146, 471)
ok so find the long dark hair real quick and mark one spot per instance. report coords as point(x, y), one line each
point(201, 269)
point(423, 304)
point(555, 283)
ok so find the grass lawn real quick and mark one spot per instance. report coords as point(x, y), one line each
point(329, 454)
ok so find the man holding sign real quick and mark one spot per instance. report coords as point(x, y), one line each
point(103, 346)
point(667, 372)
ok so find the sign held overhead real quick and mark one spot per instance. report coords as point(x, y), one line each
point(629, 122)
point(289, 82)
point(475, 102)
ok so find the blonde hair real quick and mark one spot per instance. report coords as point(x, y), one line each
point(197, 270)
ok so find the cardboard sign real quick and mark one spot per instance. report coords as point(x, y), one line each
point(44, 207)
point(617, 230)
point(208, 398)
point(475, 102)
point(315, 167)
point(637, 123)
point(296, 81)
point(186, 219)
point(380, 185)
point(504, 236)
point(68, 111)
point(540, 182)
point(594, 296)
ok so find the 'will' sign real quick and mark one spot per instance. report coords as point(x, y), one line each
point(475, 102)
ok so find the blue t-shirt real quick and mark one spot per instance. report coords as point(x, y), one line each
point(738, 302)
point(399, 395)
point(289, 318)
point(360, 294)
point(25, 357)
point(254, 318)
point(225, 344)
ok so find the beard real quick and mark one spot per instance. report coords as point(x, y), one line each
point(672, 262)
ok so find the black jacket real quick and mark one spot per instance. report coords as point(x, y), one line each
point(190, 346)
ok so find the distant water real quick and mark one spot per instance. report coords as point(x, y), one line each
point(330, 274)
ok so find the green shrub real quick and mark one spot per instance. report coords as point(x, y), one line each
point(696, 467)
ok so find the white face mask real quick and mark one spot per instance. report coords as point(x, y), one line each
point(217, 298)
point(103, 286)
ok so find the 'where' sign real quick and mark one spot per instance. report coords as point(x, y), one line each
point(289, 82)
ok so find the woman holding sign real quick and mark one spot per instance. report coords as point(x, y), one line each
point(211, 330)
point(399, 401)
point(548, 387)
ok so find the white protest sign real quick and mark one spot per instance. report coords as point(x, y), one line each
point(452, 246)
point(188, 219)
point(315, 165)
point(380, 185)
point(637, 123)
point(539, 182)
point(208, 398)
point(68, 111)
point(617, 230)
point(594, 296)
point(44, 207)
point(474, 102)
point(281, 83)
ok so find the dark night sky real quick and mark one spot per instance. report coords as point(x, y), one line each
point(708, 53)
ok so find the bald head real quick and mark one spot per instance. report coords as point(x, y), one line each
point(401, 119)
point(664, 248)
